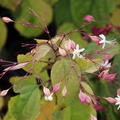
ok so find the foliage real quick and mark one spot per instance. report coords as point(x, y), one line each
point(68, 76)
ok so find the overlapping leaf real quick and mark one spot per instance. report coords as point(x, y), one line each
point(44, 12)
point(25, 106)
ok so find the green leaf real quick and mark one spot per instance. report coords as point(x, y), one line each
point(89, 66)
point(116, 68)
point(62, 8)
point(10, 4)
point(52, 2)
point(42, 51)
point(26, 105)
point(68, 27)
point(75, 111)
point(66, 72)
point(100, 9)
point(43, 9)
point(34, 67)
point(3, 34)
point(87, 88)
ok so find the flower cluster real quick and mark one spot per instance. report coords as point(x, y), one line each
point(72, 48)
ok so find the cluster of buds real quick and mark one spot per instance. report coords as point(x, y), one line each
point(84, 98)
point(105, 75)
point(48, 94)
point(70, 46)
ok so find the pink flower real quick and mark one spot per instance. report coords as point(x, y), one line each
point(93, 117)
point(95, 39)
point(64, 91)
point(84, 98)
point(62, 52)
point(105, 75)
point(56, 87)
point(7, 19)
point(89, 18)
point(110, 100)
point(69, 44)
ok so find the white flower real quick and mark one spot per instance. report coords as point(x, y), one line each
point(49, 98)
point(104, 41)
point(77, 52)
point(106, 64)
point(118, 101)
point(48, 95)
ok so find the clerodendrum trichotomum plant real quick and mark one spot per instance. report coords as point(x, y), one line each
point(64, 81)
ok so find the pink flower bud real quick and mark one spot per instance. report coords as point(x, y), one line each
point(110, 100)
point(82, 97)
point(62, 52)
point(46, 91)
point(56, 87)
point(88, 99)
point(69, 44)
point(7, 19)
point(107, 56)
point(89, 18)
point(111, 77)
point(98, 107)
point(95, 39)
point(105, 75)
point(93, 117)
point(118, 91)
point(4, 92)
point(64, 91)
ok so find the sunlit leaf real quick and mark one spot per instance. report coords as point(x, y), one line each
point(75, 111)
point(34, 67)
point(21, 105)
point(67, 73)
point(47, 110)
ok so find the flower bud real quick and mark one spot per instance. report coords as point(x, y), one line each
point(95, 39)
point(88, 99)
point(93, 117)
point(46, 91)
point(62, 52)
point(7, 19)
point(64, 91)
point(89, 18)
point(69, 44)
point(82, 97)
point(4, 92)
point(56, 87)
point(110, 100)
